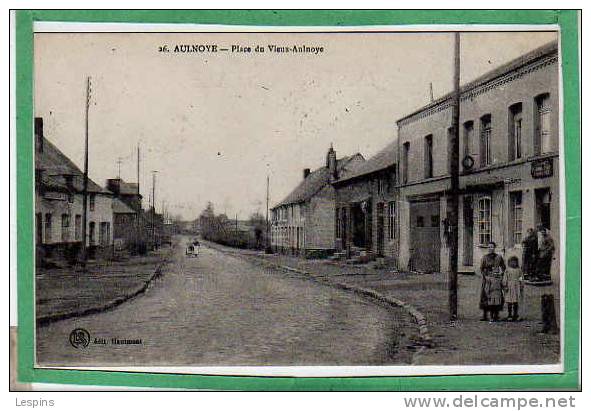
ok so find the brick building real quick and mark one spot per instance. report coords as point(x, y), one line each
point(509, 172)
point(303, 223)
point(366, 207)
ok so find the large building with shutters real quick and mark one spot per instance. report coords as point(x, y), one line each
point(509, 171)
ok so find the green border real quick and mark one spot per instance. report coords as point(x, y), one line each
point(569, 24)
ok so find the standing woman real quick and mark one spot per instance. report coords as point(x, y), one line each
point(492, 267)
point(530, 253)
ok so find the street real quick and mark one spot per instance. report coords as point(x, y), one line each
point(218, 310)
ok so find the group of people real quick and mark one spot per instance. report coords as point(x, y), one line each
point(501, 284)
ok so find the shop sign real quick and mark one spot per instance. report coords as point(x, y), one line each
point(542, 168)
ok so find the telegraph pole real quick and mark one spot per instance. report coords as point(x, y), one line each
point(154, 208)
point(267, 216)
point(453, 198)
point(119, 160)
point(85, 183)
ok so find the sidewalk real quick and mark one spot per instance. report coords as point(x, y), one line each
point(65, 293)
point(468, 341)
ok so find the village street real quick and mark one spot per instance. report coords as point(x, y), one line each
point(218, 309)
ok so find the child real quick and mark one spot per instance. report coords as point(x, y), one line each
point(494, 293)
point(513, 285)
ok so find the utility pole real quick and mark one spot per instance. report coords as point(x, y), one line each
point(119, 160)
point(85, 183)
point(453, 197)
point(267, 217)
point(431, 92)
point(154, 208)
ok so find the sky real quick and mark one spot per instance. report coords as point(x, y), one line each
point(214, 125)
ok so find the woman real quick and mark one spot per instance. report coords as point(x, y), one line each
point(492, 267)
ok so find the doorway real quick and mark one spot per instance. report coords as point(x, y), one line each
point(425, 238)
point(468, 254)
point(380, 228)
point(543, 209)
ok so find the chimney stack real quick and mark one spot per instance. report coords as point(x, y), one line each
point(114, 185)
point(331, 162)
point(39, 134)
point(306, 172)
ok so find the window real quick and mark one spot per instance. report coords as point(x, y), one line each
point(92, 199)
point(405, 153)
point(468, 135)
point(420, 221)
point(391, 220)
point(515, 131)
point(380, 185)
point(77, 227)
point(485, 140)
point(48, 228)
point(65, 227)
point(429, 156)
point(516, 217)
point(543, 143)
point(484, 225)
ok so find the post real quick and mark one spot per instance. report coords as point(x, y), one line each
point(154, 209)
point(85, 182)
point(453, 197)
point(138, 239)
point(267, 240)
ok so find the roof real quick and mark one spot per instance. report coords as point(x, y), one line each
point(128, 188)
point(119, 207)
point(315, 181)
point(56, 164)
point(536, 54)
point(385, 158)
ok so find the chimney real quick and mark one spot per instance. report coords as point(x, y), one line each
point(39, 134)
point(331, 162)
point(306, 172)
point(114, 185)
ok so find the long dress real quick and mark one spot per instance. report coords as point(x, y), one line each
point(489, 265)
point(513, 284)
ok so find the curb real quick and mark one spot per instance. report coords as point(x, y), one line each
point(51, 318)
point(418, 317)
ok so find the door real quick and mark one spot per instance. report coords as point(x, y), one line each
point(543, 198)
point(425, 238)
point(380, 228)
point(468, 259)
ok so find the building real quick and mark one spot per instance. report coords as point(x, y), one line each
point(59, 205)
point(126, 230)
point(303, 223)
point(126, 192)
point(365, 215)
point(509, 172)
point(129, 232)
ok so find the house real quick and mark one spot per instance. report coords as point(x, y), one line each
point(303, 223)
point(59, 207)
point(126, 230)
point(365, 215)
point(509, 172)
point(129, 232)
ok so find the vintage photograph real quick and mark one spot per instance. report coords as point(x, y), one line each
point(246, 197)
